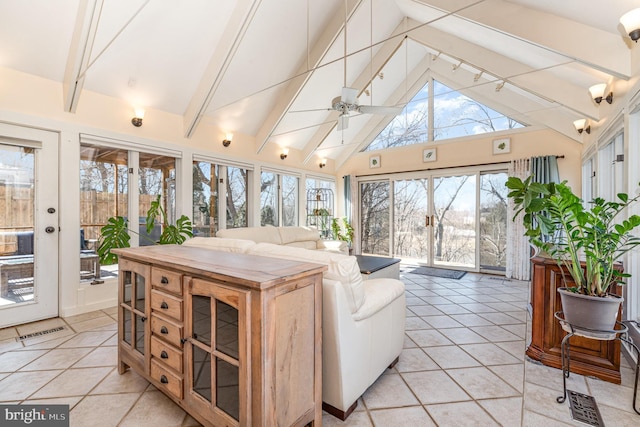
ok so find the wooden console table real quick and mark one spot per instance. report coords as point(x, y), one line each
point(234, 339)
point(588, 356)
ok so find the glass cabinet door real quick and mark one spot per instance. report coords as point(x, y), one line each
point(216, 351)
point(134, 309)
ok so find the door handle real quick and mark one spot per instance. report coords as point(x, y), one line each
point(426, 220)
point(49, 229)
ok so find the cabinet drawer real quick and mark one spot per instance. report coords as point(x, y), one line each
point(166, 329)
point(169, 382)
point(166, 304)
point(170, 281)
point(167, 354)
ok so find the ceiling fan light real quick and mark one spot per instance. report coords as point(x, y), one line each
point(631, 23)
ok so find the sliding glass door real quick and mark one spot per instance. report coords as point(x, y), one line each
point(448, 220)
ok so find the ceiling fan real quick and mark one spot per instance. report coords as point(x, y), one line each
point(348, 103)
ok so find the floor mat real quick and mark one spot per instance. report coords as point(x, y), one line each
point(434, 271)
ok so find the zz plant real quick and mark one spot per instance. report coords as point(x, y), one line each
point(558, 223)
point(116, 233)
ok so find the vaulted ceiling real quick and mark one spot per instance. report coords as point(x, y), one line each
point(270, 68)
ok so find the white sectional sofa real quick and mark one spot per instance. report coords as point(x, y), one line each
point(299, 237)
point(362, 321)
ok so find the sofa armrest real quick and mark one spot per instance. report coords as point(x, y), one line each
point(379, 293)
point(333, 246)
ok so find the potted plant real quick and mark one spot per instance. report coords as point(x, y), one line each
point(342, 230)
point(584, 241)
point(116, 233)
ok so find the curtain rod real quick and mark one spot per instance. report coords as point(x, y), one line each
point(447, 167)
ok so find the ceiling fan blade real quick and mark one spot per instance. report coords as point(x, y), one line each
point(349, 95)
point(379, 109)
point(343, 122)
point(311, 110)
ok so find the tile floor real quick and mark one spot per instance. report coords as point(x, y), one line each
point(463, 365)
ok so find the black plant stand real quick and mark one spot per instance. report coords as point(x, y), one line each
point(620, 333)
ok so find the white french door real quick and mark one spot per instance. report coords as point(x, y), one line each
point(28, 224)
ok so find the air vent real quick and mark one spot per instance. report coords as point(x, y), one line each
point(584, 409)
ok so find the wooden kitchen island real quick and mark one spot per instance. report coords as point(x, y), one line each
point(234, 339)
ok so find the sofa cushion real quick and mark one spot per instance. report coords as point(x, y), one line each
point(220, 244)
point(307, 244)
point(342, 268)
point(380, 293)
point(298, 234)
point(266, 234)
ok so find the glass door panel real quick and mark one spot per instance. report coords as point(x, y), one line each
point(157, 177)
point(28, 225)
point(411, 231)
point(205, 199)
point(374, 214)
point(493, 221)
point(454, 209)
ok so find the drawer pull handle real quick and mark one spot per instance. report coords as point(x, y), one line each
point(164, 380)
point(164, 330)
point(164, 280)
point(164, 305)
point(164, 355)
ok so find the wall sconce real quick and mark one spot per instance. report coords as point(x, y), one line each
point(284, 154)
point(580, 126)
point(597, 93)
point(323, 163)
point(631, 23)
point(227, 139)
point(138, 115)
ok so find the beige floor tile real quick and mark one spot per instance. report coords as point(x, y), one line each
point(103, 411)
point(20, 385)
point(387, 392)
point(11, 361)
point(428, 338)
point(452, 309)
point(408, 342)
point(53, 343)
point(551, 378)
point(84, 317)
point(507, 412)
point(460, 299)
point(113, 327)
point(463, 336)
point(71, 401)
point(93, 323)
point(543, 401)
point(481, 383)
point(356, 419)
point(533, 419)
point(414, 359)
point(501, 319)
point(189, 421)
point(58, 358)
point(415, 323)
point(515, 348)
point(614, 395)
point(9, 345)
point(72, 382)
point(87, 339)
point(128, 382)
point(424, 310)
point(477, 307)
point(111, 311)
point(511, 374)
point(448, 357)
point(437, 300)
point(520, 329)
point(113, 341)
point(101, 356)
point(402, 417)
point(466, 414)
point(8, 333)
point(489, 354)
point(495, 333)
point(442, 322)
point(154, 409)
point(435, 387)
point(471, 319)
point(615, 417)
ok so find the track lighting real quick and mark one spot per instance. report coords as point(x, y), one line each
point(454, 67)
point(499, 86)
point(631, 23)
point(227, 140)
point(582, 125)
point(284, 154)
point(138, 115)
point(597, 93)
point(477, 76)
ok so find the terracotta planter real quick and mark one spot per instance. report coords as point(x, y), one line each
point(590, 312)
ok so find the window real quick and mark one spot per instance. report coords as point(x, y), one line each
point(454, 115)
point(278, 199)
point(205, 198)
point(236, 196)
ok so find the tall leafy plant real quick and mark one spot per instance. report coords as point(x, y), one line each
point(558, 223)
point(116, 233)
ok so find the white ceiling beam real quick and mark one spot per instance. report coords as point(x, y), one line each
point(537, 82)
point(80, 52)
point(233, 34)
point(305, 70)
point(386, 51)
point(593, 47)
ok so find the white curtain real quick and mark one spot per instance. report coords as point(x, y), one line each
point(518, 249)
